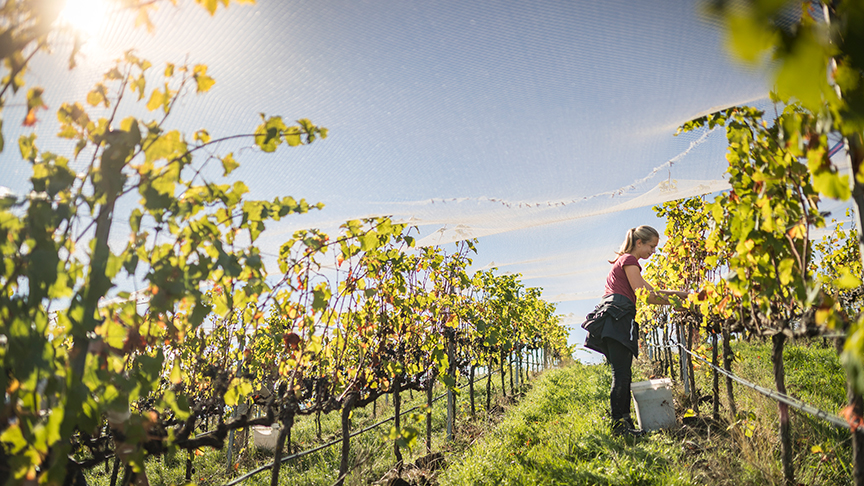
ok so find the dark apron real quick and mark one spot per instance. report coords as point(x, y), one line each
point(613, 318)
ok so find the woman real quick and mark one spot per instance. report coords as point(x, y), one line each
point(612, 328)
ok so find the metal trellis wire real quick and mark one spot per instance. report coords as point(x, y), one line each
point(775, 395)
point(337, 441)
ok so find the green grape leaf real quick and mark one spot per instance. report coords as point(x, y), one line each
point(238, 389)
point(832, 184)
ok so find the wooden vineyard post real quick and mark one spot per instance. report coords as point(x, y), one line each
point(716, 388)
point(451, 400)
point(517, 374)
point(397, 405)
point(346, 436)
point(510, 371)
point(682, 355)
point(489, 385)
point(429, 390)
point(116, 469)
point(649, 346)
point(189, 455)
point(518, 358)
point(247, 437)
point(520, 367)
point(668, 343)
point(471, 389)
point(856, 156)
point(277, 455)
point(691, 374)
point(857, 404)
point(779, 342)
point(229, 453)
point(238, 410)
point(501, 369)
point(727, 365)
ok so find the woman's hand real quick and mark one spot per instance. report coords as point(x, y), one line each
point(657, 297)
point(681, 294)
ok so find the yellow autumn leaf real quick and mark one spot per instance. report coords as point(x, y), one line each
point(157, 99)
point(846, 280)
point(176, 372)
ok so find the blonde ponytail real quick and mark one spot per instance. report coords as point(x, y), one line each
point(643, 233)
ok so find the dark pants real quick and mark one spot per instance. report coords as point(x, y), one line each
point(621, 359)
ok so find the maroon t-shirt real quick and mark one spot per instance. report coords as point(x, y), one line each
point(616, 281)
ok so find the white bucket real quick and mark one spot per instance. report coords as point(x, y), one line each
point(265, 437)
point(654, 408)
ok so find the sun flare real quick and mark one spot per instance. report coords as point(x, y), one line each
point(85, 16)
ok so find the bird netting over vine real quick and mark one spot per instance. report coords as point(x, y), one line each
point(537, 127)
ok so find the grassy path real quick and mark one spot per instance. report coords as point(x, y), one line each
point(557, 435)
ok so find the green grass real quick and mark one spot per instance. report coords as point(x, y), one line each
point(559, 434)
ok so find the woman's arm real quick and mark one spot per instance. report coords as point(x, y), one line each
point(680, 293)
point(657, 297)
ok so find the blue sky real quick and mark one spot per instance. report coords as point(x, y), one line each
point(533, 124)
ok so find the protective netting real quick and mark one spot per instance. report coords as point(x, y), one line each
point(543, 128)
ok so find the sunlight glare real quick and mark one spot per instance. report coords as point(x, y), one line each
point(85, 16)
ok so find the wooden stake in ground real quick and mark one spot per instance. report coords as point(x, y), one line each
point(501, 369)
point(397, 405)
point(668, 343)
point(510, 366)
point(451, 402)
point(471, 389)
point(430, 383)
point(489, 384)
point(277, 455)
point(691, 374)
point(683, 358)
point(857, 404)
point(116, 469)
point(716, 387)
point(347, 406)
point(856, 160)
point(778, 342)
point(727, 365)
